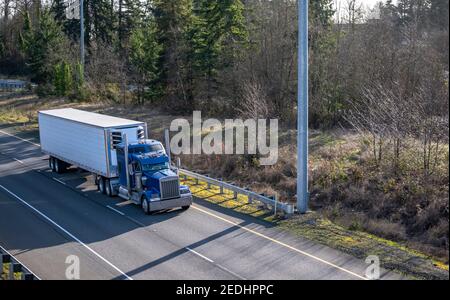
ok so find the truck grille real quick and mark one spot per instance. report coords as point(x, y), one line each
point(170, 188)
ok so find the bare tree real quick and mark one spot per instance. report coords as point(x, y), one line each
point(254, 103)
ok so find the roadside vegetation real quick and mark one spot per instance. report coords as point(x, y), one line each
point(379, 160)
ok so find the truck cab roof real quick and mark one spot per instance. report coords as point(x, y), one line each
point(145, 149)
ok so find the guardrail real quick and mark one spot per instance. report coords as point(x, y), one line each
point(14, 267)
point(272, 202)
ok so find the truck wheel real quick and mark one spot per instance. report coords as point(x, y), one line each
point(101, 185)
point(145, 206)
point(186, 207)
point(108, 190)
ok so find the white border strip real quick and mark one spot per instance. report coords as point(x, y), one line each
point(24, 140)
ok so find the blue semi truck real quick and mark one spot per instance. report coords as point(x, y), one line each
point(125, 163)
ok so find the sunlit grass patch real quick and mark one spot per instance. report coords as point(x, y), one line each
point(13, 116)
point(226, 199)
point(5, 273)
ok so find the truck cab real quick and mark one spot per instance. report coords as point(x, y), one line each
point(147, 179)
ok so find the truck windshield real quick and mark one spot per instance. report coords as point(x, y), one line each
point(155, 148)
point(146, 149)
point(155, 167)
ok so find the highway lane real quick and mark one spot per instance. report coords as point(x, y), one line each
point(205, 242)
point(118, 240)
point(30, 239)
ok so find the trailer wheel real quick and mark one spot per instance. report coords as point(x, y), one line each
point(57, 164)
point(145, 205)
point(101, 185)
point(108, 189)
point(60, 166)
point(51, 163)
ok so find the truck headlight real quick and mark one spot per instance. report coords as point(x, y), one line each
point(185, 191)
point(144, 181)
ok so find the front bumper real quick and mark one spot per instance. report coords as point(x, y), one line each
point(184, 200)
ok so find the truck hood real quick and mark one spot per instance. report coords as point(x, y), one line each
point(154, 178)
point(160, 174)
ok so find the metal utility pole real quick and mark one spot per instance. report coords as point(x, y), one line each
point(82, 33)
point(302, 133)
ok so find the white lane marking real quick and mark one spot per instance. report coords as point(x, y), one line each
point(219, 266)
point(200, 255)
point(252, 231)
point(65, 231)
point(60, 181)
point(115, 210)
point(281, 243)
point(124, 203)
point(231, 272)
point(19, 161)
point(27, 141)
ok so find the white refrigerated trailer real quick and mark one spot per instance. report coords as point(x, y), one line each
point(85, 139)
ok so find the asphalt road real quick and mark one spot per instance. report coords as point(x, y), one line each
point(46, 218)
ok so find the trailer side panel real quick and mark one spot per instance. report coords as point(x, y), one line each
point(75, 143)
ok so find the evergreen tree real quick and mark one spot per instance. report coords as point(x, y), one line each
point(219, 26)
point(36, 41)
point(58, 9)
point(63, 79)
point(174, 22)
point(98, 22)
point(130, 16)
point(145, 52)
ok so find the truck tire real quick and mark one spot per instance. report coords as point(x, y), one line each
point(108, 189)
point(145, 205)
point(101, 185)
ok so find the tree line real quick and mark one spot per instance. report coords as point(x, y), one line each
point(233, 56)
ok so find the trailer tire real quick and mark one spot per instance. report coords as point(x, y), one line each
point(101, 185)
point(61, 165)
point(108, 189)
point(57, 164)
point(145, 205)
point(51, 163)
